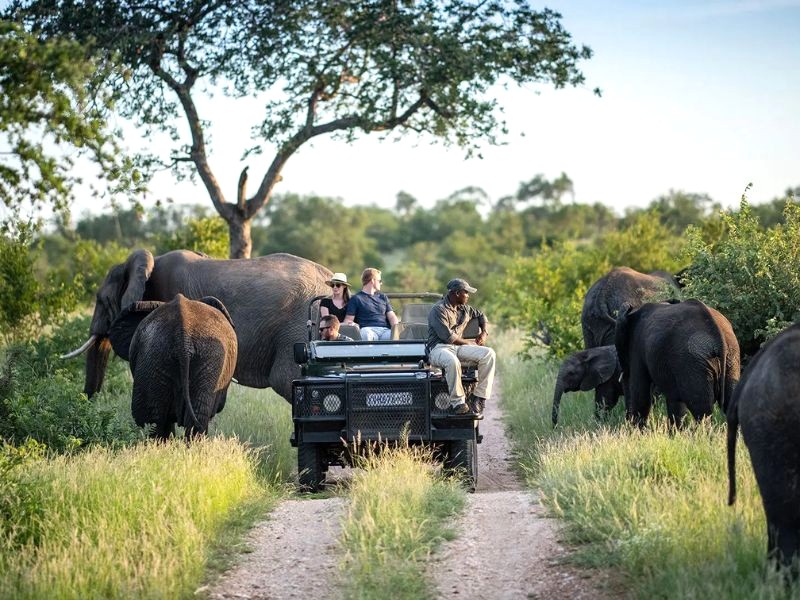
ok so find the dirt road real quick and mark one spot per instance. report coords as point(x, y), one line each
point(506, 548)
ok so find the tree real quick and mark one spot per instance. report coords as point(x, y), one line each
point(46, 113)
point(343, 68)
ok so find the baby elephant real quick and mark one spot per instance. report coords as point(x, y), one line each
point(182, 356)
point(766, 404)
point(595, 368)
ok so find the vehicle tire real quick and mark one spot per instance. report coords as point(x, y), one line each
point(310, 467)
point(462, 460)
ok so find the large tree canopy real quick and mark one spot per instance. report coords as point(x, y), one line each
point(46, 113)
point(344, 67)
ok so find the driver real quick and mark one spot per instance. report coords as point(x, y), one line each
point(447, 349)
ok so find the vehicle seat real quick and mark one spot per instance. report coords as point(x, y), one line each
point(416, 313)
point(351, 330)
point(410, 331)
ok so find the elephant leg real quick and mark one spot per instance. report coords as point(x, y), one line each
point(676, 413)
point(641, 400)
point(696, 390)
point(163, 430)
point(605, 398)
point(283, 370)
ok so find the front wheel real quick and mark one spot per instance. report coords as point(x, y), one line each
point(461, 460)
point(310, 467)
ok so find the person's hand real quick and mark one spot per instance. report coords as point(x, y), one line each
point(481, 339)
point(309, 323)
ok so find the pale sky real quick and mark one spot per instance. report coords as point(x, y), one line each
point(697, 96)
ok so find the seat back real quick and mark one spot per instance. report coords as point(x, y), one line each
point(351, 331)
point(410, 331)
point(416, 312)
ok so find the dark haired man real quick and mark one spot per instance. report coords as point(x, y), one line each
point(448, 349)
point(329, 330)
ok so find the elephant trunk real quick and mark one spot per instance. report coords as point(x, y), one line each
point(559, 391)
point(96, 363)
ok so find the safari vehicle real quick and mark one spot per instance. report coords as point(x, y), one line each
point(355, 393)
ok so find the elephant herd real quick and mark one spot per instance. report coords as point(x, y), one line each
point(189, 325)
point(639, 339)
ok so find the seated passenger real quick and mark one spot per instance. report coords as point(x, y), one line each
point(340, 294)
point(329, 330)
point(371, 309)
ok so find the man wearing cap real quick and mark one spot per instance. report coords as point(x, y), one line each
point(448, 349)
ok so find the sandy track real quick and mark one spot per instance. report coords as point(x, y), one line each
point(506, 547)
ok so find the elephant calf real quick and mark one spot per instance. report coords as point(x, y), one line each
point(595, 368)
point(182, 356)
point(766, 404)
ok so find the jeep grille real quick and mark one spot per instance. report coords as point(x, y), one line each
point(310, 401)
point(386, 409)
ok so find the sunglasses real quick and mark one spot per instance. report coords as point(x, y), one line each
point(321, 329)
point(338, 285)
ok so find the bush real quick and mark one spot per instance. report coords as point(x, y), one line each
point(547, 289)
point(749, 274)
point(208, 235)
point(41, 396)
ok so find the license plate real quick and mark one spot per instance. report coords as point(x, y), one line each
point(390, 399)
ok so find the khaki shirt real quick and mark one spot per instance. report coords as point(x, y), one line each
point(447, 322)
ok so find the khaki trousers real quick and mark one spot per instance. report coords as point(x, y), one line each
point(450, 358)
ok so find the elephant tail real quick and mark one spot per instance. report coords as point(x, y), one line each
point(187, 398)
point(733, 430)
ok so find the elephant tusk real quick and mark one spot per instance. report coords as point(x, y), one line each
point(82, 349)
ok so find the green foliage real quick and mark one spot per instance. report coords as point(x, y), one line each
point(546, 291)
point(26, 302)
point(208, 235)
point(748, 274)
point(42, 397)
point(20, 503)
point(48, 111)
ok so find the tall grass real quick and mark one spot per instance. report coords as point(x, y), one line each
point(263, 420)
point(650, 504)
point(137, 522)
point(397, 516)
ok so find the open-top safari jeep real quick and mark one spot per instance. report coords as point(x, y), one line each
point(360, 392)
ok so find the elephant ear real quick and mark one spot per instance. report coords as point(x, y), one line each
point(217, 303)
point(124, 326)
point(600, 367)
point(138, 269)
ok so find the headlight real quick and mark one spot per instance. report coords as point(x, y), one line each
point(332, 403)
point(442, 400)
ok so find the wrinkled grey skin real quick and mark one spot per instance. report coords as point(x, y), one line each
point(608, 294)
point(267, 298)
point(182, 355)
point(766, 404)
point(686, 349)
point(595, 368)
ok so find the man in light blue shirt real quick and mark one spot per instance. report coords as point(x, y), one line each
point(371, 309)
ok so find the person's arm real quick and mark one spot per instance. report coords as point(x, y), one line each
point(483, 323)
point(350, 312)
point(392, 318)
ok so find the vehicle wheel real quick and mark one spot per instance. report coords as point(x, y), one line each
point(310, 467)
point(462, 460)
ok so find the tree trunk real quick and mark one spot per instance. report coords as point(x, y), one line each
point(241, 244)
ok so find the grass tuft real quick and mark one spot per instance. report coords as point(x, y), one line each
point(138, 522)
point(398, 515)
point(650, 504)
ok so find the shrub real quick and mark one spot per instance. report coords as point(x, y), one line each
point(208, 235)
point(749, 273)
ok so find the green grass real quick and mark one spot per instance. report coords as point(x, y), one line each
point(398, 514)
point(650, 505)
point(144, 521)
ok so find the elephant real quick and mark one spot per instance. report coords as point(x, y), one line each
point(685, 349)
point(619, 286)
point(182, 355)
point(594, 368)
point(766, 404)
point(267, 297)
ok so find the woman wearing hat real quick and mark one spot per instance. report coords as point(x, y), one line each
point(337, 303)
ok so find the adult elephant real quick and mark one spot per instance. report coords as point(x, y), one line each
point(686, 349)
point(182, 355)
point(620, 286)
point(267, 297)
point(594, 368)
point(766, 404)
